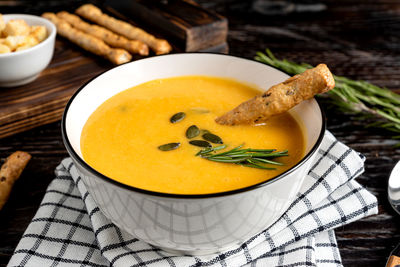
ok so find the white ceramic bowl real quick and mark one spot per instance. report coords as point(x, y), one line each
point(22, 67)
point(191, 224)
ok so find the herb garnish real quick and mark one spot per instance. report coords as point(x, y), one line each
point(361, 98)
point(248, 157)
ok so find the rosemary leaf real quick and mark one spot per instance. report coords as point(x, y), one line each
point(360, 98)
point(253, 164)
point(260, 160)
point(248, 157)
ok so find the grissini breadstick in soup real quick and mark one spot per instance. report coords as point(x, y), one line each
point(281, 97)
point(91, 12)
point(87, 41)
point(10, 172)
point(110, 38)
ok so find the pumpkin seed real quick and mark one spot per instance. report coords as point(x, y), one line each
point(177, 117)
point(200, 110)
point(169, 146)
point(200, 143)
point(203, 131)
point(212, 138)
point(192, 132)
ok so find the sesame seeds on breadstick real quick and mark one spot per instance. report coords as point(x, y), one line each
point(91, 12)
point(281, 97)
point(87, 41)
point(110, 38)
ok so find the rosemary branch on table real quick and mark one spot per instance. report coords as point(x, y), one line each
point(248, 157)
point(360, 98)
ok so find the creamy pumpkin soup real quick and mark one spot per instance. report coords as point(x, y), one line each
point(159, 136)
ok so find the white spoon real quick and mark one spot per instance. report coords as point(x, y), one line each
point(394, 188)
point(394, 199)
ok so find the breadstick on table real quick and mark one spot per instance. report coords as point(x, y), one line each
point(87, 41)
point(91, 12)
point(10, 172)
point(110, 38)
point(281, 97)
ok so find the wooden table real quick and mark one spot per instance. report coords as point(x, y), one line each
point(356, 38)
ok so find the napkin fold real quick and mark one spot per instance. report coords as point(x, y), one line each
point(69, 229)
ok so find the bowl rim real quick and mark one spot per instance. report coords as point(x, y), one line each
point(51, 36)
point(96, 173)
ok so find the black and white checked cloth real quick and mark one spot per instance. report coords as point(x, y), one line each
point(68, 229)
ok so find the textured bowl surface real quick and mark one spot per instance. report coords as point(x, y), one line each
point(192, 224)
point(18, 68)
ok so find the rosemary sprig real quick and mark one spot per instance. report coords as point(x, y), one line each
point(360, 98)
point(254, 158)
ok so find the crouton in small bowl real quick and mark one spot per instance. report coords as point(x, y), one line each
point(26, 48)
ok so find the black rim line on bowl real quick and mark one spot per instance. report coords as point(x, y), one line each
point(77, 158)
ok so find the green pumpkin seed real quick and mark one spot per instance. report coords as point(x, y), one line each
point(212, 138)
point(192, 132)
point(169, 146)
point(200, 110)
point(200, 143)
point(203, 131)
point(177, 117)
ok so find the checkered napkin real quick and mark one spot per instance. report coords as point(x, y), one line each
point(69, 229)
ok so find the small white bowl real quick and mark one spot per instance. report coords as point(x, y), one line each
point(191, 224)
point(22, 67)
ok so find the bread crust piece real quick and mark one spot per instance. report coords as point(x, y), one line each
point(93, 13)
point(87, 41)
point(110, 38)
point(281, 97)
point(16, 27)
point(10, 172)
point(2, 24)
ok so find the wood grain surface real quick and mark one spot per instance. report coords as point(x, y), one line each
point(188, 24)
point(356, 38)
point(43, 101)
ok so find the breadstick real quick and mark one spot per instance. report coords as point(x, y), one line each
point(88, 42)
point(94, 14)
point(110, 38)
point(281, 97)
point(10, 172)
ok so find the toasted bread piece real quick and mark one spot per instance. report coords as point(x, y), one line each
point(16, 27)
point(87, 41)
point(40, 32)
point(110, 38)
point(10, 172)
point(93, 13)
point(2, 24)
point(13, 42)
point(4, 49)
point(281, 97)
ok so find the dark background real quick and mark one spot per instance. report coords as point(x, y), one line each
point(357, 39)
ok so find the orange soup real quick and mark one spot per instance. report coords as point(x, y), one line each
point(121, 138)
